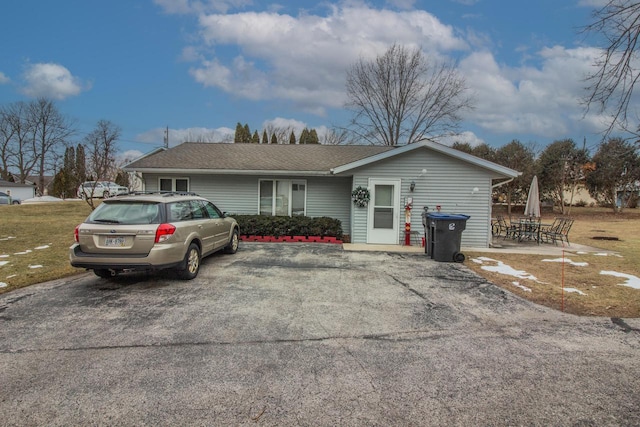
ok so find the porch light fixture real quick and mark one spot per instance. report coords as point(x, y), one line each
point(412, 186)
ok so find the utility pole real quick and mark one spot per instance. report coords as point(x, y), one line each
point(166, 137)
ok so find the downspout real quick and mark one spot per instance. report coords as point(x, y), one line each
point(489, 243)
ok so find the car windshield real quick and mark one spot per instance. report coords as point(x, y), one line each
point(128, 212)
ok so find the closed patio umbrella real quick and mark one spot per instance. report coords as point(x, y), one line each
point(532, 208)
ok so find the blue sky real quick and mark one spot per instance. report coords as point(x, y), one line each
point(199, 67)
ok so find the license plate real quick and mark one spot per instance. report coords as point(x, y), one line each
point(114, 241)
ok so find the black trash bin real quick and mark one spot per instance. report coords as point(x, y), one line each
point(444, 235)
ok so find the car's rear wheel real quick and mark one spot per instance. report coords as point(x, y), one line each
point(232, 247)
point(191, 264)
point(15, 202)
point(102, 272)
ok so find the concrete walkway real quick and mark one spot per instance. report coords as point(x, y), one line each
point(498, 246)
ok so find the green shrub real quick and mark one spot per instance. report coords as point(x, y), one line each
point(262, 225)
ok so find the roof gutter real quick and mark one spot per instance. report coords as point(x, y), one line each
point(227, 171)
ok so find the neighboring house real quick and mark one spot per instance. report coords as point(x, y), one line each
point(19, 191)
point(34, 180)
point(580, 196)
point(317, 180)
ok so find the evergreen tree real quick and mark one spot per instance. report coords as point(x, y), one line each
point(292, 138)
point(64, 182)
point(313, 137)
point(265, 138)
point(246, 134)
point(239, 132)
point(255, 139)
point(122, 178)
point(274, 138)
point(80, 169)
point(304, 136)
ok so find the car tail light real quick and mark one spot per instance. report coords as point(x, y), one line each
point(75, 234)
point(164, 231)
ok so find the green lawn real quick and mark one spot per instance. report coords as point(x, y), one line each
point(35, 240)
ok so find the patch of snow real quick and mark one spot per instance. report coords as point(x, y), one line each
point(13, 275)
point(42, 247)
point(575, 291)
point(601, 254)
point(518, 285)
point(42, 199)
point(502, 268)
point(23, 253)
point(484, 258)
point(568, 261)
point(632, 281)
point(3, 285)
point(7, 238)
point(3, 263)
point(4, 256)
point(35, 266)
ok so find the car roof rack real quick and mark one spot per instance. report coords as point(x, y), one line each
point(164, 193)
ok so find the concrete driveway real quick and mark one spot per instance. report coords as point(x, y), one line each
point(295, 334)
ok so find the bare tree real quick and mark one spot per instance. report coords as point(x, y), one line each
point(401, 97)
point(51, 131)
point(18, 151)
point(101, 145)
point(32, 139)
point(611, 86)
point(7, 132)
point(335, 136)
point(282, 133)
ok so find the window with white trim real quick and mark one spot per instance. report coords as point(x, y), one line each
point(282, 197)
point(173, 184)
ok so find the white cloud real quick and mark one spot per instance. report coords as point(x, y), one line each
point(128, 156)
point(50, 80)
point(463, 137)
point(281, 123)
point(303, 58)
point(3, 78)
point(177, 136)
point(543, 100)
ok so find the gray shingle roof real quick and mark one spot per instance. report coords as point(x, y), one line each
point(256, 157)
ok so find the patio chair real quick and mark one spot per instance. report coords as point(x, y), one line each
point(558, 231)
point(548, 228)
point(512, 229)
point(501, 228)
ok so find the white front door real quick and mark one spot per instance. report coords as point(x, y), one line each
point(383, 212)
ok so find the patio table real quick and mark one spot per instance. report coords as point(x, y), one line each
point(528, 229)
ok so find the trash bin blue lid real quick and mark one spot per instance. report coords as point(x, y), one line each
point(446, 216)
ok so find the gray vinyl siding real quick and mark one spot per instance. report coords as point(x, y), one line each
point(448, 182)
point(237, 194)
point(330, 197)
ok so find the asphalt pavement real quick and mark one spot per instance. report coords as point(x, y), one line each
point(309, 334)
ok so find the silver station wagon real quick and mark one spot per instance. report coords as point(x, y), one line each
point(152, 232)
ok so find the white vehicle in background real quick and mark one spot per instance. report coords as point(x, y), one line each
point(100, 189)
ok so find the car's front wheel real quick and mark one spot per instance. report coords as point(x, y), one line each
point(232, 247)
point(191, 265)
